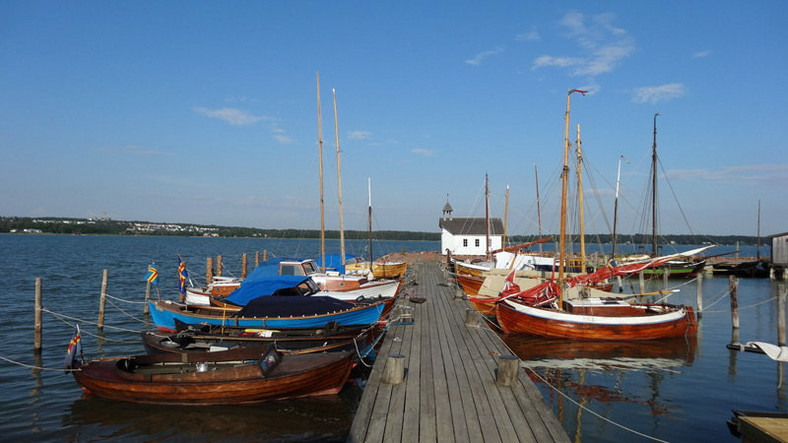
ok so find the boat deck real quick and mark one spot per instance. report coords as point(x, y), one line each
point(449, 392)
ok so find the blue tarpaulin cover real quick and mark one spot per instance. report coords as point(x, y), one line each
point(252, 288)
point(283, 306)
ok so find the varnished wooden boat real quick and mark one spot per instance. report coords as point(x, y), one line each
point(237, 377)
point(300, 341)
point(597, 319)
point(470, 284)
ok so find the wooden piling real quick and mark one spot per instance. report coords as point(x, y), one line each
point(208, 270)
point(256, 258)
point(508, 370)
point(244, 260)
point(733, 287)
point(265, 255)
point(103, 299)
point(38, 328)
point(219, 266)
point(665, 277)
point(642, 282)
point(145, 309)
point(781, 296)
point(699, 296)
point(471, 317)
point(394, 373)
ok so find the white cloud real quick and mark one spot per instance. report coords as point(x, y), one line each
point(748, 174)
point(423, 152)
point(603, 46)
point(701, 54)
point(232, 116)
point(530, 36)
point(359, 135)
point(477, 60)
point(656, 94)
point(284, 139)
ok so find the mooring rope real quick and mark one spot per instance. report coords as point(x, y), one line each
point(42, 368)
point(87, 321)
point(126, 313)
point(125, 301)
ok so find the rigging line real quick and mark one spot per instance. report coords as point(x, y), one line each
point(100, 337)
point(37, 367)
point(673, 191)
point(593, 412)
point(124, 300)
point(126, 313)
point(87, 321)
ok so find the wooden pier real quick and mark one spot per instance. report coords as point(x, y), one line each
point(449, 391)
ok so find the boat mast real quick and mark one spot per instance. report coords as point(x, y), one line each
point(320, 161)
point(564, 184)
point(654, 191)
point(538, 206)
point(369, 197)
point(581, 214)
point(615, 208)
point(339, 182)
point(758, 233)
point(505, 217)
point(487, 216)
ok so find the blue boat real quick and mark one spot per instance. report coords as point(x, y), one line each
point(270, 312)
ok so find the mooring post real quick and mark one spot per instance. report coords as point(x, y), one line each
point(699, 295)
point(38, 328)
point(256, 259)
point(471, 317)
point(733, 287)
point(782, 293)
point(508, 370)
point(147, 298)
point(265, 254)
point(219, 267)
point(102, 299)
point(394, 372)
point(665, 277)
point(208, 270)
point(642, 282)
point(244, 260)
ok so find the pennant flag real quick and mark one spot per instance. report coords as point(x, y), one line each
point(74, 349)
point(577, 90)
point(153, 275)
point(182, 276)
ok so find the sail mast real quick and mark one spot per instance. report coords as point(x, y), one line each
point(615, 209)
point(505, 217)
point(758, 238)
point(654, 191)
point(538, 206)
point(581, 214)
point(339, 182)
point(320, 161)
point(564, 184)
point(486, 216)
point(369, 197)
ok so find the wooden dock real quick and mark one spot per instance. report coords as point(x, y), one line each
point(449, 392)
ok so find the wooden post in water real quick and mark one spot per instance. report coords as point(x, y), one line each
point(508, 370)
point(145, 309)
point(265, 254)
point(219, 266)
point(256, 258)
point(781, 296)
point(208, 270)
point(103, 299)
point(665, 277)
point(642, 282)
point(244, 260)
point(699, 297)
point(733, 287)
point(394, 372)
point(38, 328)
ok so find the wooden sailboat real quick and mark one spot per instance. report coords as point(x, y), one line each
point(545, 311)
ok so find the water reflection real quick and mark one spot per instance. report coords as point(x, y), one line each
point(325, 418)
point(600, 374)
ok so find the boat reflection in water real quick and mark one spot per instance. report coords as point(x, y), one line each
point(582, 371)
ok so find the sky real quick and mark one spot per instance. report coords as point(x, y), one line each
point(206, 112)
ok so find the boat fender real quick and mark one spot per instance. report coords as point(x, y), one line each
point(360, 299)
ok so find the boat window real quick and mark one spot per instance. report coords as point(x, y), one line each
point(287, 269)
point(309, 268)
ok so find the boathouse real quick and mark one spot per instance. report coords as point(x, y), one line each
point(466, 235)
point(779, 255)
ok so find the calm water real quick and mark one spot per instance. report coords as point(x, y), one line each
point(676, 392)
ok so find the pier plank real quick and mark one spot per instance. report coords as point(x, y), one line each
point(450, 391)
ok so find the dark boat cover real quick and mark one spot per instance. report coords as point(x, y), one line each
point(252, 288)
point(286, 306)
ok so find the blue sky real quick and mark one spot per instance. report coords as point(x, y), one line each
point(205, 112)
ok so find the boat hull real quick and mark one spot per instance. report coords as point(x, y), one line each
point(222, 384)
point(624, 324)
point(164, 314)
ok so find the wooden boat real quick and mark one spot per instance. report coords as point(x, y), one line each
point(470, 284)
point(298, 341)
point(235, 377)
point(380, 269)
point(598, 319)
point(272, 312)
